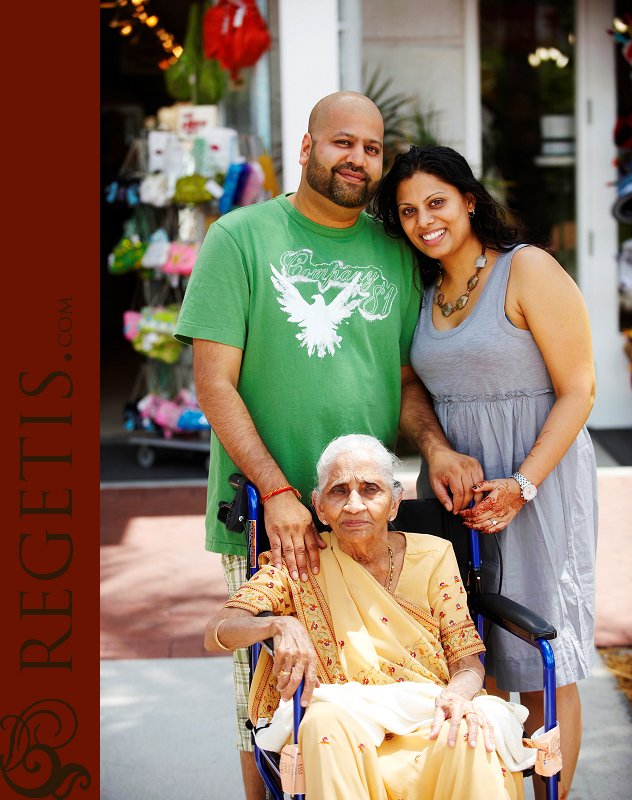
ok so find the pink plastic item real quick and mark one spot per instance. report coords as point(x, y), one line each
point(181, 258)
point(185, 399)
point(130, 324)
point(167, 414)
point(148, 405)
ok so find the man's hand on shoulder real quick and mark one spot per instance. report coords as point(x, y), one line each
point(457, 472)
point(291, 532)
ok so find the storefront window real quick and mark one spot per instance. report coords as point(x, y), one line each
point(622, 30)
point(527, 82)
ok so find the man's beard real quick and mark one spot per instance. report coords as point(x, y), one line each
point(333, 186)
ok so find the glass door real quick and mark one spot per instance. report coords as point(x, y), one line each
point(528, 99)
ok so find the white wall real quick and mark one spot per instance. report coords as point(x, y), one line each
point(351, 45)
point(309, 59)
point(597, 229)
point(431, 49)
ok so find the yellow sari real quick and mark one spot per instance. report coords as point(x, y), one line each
point(362, 632)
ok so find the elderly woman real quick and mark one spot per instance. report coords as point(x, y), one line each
point(385, 608)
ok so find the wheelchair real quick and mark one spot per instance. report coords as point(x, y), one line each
point(245, 515)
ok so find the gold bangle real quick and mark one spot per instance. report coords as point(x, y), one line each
point(219, 644)
point(467, 669)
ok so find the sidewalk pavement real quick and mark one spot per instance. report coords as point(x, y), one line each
point(168, 733)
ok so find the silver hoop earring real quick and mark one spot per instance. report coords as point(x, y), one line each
point(471, 213)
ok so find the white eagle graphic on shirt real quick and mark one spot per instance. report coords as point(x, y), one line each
point(318, 320)
point(361, 289)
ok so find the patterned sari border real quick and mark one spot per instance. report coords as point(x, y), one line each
point(324, 647)
point(429, 622)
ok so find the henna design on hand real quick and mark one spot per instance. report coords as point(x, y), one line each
point(505, 499)
point(488, 504)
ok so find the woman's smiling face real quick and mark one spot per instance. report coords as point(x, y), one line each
point(434, 215)
point(356, 500)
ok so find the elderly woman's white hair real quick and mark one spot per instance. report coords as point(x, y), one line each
point(353, 445)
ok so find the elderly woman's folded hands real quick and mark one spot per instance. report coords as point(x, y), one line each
point(455, 703)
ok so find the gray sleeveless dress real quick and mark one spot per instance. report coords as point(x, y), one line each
point(492, 393)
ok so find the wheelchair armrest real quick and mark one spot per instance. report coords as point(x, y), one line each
point(267, 644)
point(512, 617)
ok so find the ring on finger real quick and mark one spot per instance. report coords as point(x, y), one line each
point(283, 672)
point(467, 713)
point(494, 522)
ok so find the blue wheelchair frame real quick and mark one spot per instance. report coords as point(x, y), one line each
point(499, 610)
point(267, 763)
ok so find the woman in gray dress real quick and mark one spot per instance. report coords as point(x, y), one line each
point(503, 346)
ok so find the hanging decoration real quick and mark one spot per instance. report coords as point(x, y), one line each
point(129, 14)
point(621, 34)
point(548, 54)
point(235, 34)
point(195, 77)
point(622, 209)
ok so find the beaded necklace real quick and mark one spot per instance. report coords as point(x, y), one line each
point(448, 308)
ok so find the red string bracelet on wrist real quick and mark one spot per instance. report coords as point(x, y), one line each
point(278, 491)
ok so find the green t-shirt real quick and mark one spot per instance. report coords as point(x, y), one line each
point(325, 317)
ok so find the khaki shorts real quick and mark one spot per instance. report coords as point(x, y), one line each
point(235, 568)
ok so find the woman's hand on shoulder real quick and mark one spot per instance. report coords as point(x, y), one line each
point(294, 658)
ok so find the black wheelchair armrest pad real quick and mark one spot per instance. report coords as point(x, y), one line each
point(234, 513)
point(267, 644)
point(513, 617)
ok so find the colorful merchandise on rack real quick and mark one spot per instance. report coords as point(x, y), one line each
point(180, 415)
point(176, 179)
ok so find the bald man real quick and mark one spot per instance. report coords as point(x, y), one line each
point(301, 312)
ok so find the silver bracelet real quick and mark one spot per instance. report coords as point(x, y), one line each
point(467, 669)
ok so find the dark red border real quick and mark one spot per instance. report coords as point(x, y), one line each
point(50, 252)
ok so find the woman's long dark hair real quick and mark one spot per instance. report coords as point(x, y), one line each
point(488, 223)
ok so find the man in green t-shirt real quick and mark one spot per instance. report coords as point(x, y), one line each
point(301, 311)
